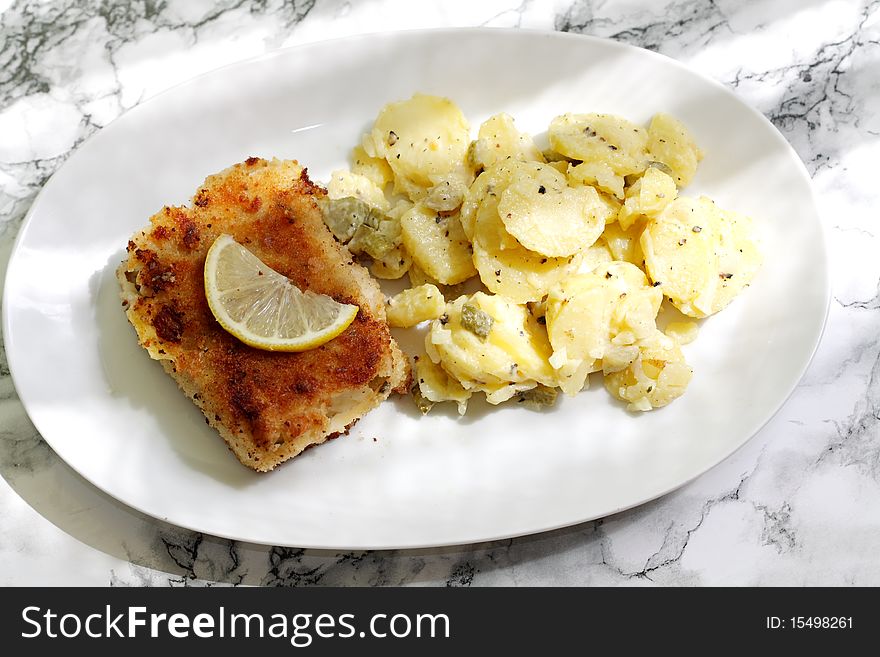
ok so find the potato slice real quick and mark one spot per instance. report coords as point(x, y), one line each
point(603, 138)
point(682, 332)
point(739, 256)
point(597, 174)
point(374, 168)
point(498, 140)
point(584, 313)
point(656, 377)
point(436, 386)
point(392, 265)
point(345, 184)
point(423, 137)
point(679, 248)
point(547, 216)
point(624, 244)
point(656, 191)
point(647, 197)
point(415, 305)
point(505, 266)
point(596, 255)
point(520, 274)
point(597, 315)
point(487, 188)
point(670, 142)
point(517, 273)
point(437, 244)
point(701, 257)
point(512, 355)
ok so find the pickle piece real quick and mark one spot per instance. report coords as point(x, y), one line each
point(447, 195)
point(477, 321)
point(376, 240)
point(539, 397)
point(344, 216)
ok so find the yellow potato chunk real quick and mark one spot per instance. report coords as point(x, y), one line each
point(624, 244)
point(487, 189)
point(604, 138)
point(415, 305)
point(597, 174)
point(374, 168)
point(505, 266)
point(647, 197)
point(418, 277)
point(392, 265)
point(498, 140)
point(491, 344)
point(594, 256)
point(517, 273)
point(437, 386)
point(345, 183)
point(701, 257)
point(670, 142)
point(437, 244)
point(739, 256)
point(596, 315)
point(656, 191)
point(612, 206)
point(420, 138)
point(547, 216)
point(656, 377)
point(683, 332)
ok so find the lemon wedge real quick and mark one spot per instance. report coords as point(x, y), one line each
point(264, 309)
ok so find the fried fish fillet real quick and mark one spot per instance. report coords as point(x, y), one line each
point(267, 406)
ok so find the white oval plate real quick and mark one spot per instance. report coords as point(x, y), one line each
point(399, 480)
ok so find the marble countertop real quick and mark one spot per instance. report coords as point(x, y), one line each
point(798, 505)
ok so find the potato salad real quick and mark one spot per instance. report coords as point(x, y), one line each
point(535, 268)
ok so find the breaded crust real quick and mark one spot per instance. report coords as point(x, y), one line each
point(267, 406)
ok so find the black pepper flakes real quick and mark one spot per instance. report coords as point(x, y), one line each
point(697, 229)
point(542, 189)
